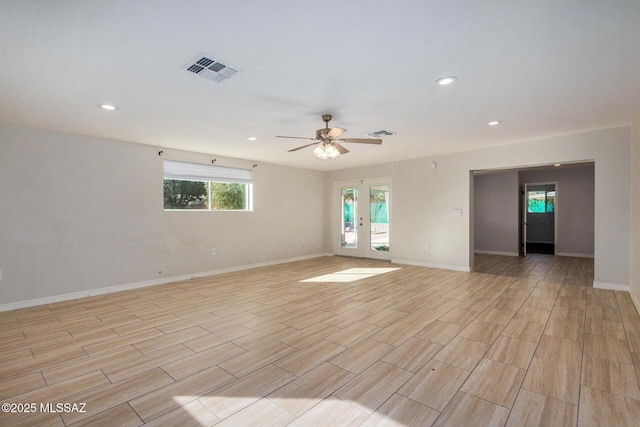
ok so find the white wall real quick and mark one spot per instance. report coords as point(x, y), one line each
point(635, 212)
point(81, 213)
point(423, 198)
point(496, 201)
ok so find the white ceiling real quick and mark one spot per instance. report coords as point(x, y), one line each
point(541, 67)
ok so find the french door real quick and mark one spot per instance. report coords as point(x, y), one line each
point(362, 210)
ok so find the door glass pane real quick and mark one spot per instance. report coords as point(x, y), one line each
point(551, 201)
point(536, 201)
point(349, 218)
point(379, 217)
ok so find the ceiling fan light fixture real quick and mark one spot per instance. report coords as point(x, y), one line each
point(330, 142)
point(318, 152)
point(326, 151)
point(332, 151)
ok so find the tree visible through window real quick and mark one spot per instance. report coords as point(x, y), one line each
point(228, 195)
point(208, 195)
point(541, 201)
point(180, 194)
point(205, 187)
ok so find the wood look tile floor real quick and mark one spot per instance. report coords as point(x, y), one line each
point(334, 341)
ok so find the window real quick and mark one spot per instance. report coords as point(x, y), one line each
point(541, 201)
point(206, 187)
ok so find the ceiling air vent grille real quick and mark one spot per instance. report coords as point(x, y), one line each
point(210, 69)
point(380, 133)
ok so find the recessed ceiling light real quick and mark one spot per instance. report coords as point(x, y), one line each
point(446, 80)
point(108, 107)
point(251, 138)
point(494, 123)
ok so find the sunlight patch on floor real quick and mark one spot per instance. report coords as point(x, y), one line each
point(196, 410)
point(350, 275)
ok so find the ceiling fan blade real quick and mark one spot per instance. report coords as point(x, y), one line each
point(361, 140)
point(335, 132)
point(304, 146)
point(295, 137)
point(340, 148)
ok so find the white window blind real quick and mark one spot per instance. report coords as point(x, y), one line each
point(173, 169)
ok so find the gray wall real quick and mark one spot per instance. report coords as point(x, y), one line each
point(496, 201)
point(575, 205)
point(81, 213)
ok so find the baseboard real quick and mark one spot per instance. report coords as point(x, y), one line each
point(612, 287)
point(496, 253)
point(431, 265)
point(574, 255)
point(251, 266)
point(144, 284)
point(635, 301)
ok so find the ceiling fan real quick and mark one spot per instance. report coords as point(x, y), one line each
point(328, 148)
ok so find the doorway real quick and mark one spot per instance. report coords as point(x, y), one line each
point(539, 218)
point(362, 218)
point(498, 204)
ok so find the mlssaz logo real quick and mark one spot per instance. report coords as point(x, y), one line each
point(61, 407)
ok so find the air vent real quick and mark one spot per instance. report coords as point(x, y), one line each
point(380, 133)
point(209, 68)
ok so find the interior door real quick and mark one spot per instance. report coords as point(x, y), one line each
point(362, 218)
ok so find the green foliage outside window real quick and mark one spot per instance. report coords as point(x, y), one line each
point(180, 194)
point(228, 195)
point(541, 201)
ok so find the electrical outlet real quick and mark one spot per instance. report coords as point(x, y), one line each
point(427, 246)
point(214, 251)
